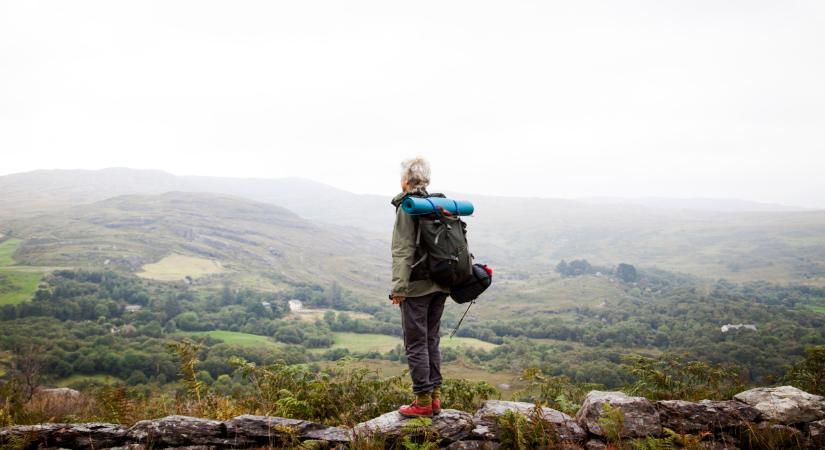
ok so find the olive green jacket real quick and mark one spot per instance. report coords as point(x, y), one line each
point(403, 256)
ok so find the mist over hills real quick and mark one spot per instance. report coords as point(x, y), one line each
point(522, 236)
point(221, 260)
point(695, 204)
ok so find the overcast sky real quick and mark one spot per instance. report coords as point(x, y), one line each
point(554, 99)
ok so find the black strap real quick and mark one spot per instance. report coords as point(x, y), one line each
point(462, 319)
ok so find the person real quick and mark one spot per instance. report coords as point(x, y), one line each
point(420, 299)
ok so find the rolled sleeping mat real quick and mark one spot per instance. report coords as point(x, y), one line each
point(417, 205)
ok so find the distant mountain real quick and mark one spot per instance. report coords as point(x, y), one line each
point(46, 190)
point(30, 193)
point(256, 241)
point(694, 204)
point(522, 236)
point(309, 199)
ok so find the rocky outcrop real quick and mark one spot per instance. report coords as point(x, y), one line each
point(178, 431)
point(706, 415)
point(64, 435)
point(63, 392)
point(786, 405)
point(641, 418)
point(266, 429)
point(782, 417)
point(816, 432)
point(486, 420)
point(173, 432)
point(450, 426)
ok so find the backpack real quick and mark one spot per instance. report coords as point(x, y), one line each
point(442, 252)
point(443, 255)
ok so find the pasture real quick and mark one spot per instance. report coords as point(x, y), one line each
point(366, 342)
point(311, 315)
point(234, 337)
point(7, 249)
point(17, 286)
point(80, 380)
point(176, 267)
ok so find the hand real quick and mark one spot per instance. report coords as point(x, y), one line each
point(397, 299)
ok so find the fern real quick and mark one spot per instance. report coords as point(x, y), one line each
point(187, 352)
point(520, 432)
point(417, 434)
point(652, 443)
point(612, 423)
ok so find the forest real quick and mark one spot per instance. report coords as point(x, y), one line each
point(102, 323)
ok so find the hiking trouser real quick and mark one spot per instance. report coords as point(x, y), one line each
point(421, 323)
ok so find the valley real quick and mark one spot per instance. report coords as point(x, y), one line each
point(106, 285)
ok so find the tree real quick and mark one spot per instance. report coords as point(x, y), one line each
point(27, 368)
point(188, 321)
point(627, 273)
point(809, 374)
point(136, 377)
point(574, 268)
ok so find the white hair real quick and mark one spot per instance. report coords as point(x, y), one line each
point(417, 173)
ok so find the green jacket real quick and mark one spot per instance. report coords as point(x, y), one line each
point(403, 256)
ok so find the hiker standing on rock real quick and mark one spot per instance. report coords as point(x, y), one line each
point(421, 300)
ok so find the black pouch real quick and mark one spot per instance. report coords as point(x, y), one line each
point(473, 286)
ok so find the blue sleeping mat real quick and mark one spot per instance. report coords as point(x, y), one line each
point(416, 205)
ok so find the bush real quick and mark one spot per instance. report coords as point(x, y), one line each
point(671, 377)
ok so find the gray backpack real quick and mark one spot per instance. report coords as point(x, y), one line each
point(442, 252)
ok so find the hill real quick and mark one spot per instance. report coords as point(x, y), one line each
point(205, 235)
point(522, 237)
point(40, 191)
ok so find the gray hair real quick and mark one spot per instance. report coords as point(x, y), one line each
point(417, 173)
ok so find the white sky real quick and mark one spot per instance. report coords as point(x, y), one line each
point(548, 98)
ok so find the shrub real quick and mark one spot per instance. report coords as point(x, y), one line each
point(670, 377)
point(520, 432)
point(467, 395)
point(557, 392)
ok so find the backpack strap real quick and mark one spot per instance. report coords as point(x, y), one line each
point(435, 209)
point(420, 260)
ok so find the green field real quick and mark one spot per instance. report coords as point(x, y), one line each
point(366, 342)
point(311, 315)
point(354, 342)
point(18, 286)
point(234, 337)
point(177, 267)
point(543, 295)
point(7, 249)
point(81, 379)
point(819, 309)
point(448, 342)
point(17, 283)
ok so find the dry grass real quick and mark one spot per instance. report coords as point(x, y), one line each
point(177, 267)
point(52, 407)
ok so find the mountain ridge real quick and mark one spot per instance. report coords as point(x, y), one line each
point(130, 231)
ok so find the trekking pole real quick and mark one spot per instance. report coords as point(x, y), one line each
point(462, 319)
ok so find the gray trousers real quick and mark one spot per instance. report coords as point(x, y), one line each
point(421, 323)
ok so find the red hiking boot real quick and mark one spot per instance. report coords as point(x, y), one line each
point(413, 410)
point(436, 406)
